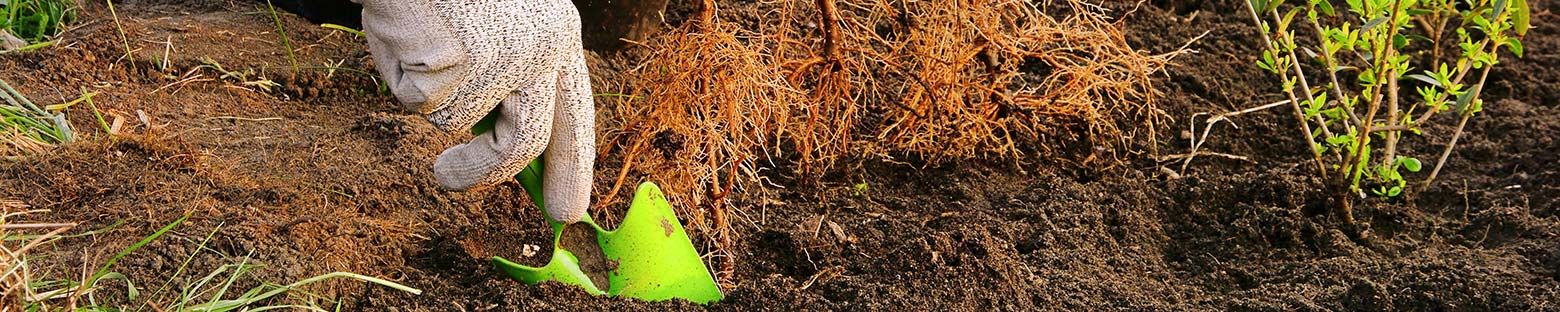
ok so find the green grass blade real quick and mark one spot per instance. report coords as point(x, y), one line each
point(133, 247)
point(289, 307)
point(182, 266)
point(278, 291)
point(359, 33)
point(286, 42)
point(193, 290)
point(95, 113)
point(231, 279)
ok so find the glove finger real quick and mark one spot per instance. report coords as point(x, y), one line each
point(519, 136)
point(571, 154)
point(416, 53)
point(389, 67)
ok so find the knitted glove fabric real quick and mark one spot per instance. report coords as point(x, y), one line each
point(457, 60)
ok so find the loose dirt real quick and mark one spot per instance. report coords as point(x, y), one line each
point(325, 172)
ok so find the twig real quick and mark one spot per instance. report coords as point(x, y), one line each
point(40, 239)
point(192, 79)
point(1351, 169)
point(1305, 126)
point(1167, 158)
point(1197, 142)
point(247, 119)
point(1305, 84)
point(1390, 152)
point(1467, 113)
point(1332, 74)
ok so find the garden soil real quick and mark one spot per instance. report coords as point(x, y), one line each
point(324, 172)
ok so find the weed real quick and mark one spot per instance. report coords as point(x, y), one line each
point(35, 20)
point(286, 42)
point(1342, 120)
point(349, 30)
point(123, 37)
point(26, 128)
point(27, 292)
point(246, 78)
point(18, 284)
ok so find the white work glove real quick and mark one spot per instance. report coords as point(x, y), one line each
point(456, 60)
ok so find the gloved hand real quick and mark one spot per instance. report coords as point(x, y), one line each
point(458, 60)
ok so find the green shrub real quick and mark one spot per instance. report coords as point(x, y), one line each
point(1354, 125)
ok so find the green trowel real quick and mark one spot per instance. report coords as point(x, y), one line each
point(649, 257)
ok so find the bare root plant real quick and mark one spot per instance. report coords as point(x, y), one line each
point(977, 78)
point(819, 64)
point(714, 103)
point(707, 106)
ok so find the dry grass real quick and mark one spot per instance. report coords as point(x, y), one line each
point(18, 283)
point(26, 128)
point(24, 289)
point(714, 104)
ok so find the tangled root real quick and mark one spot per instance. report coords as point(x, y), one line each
point(817, 81)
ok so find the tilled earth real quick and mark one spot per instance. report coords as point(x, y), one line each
point(324, 172)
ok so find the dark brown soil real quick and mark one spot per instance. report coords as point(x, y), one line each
point(326, 173)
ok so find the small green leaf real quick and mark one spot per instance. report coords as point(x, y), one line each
point(1500, 7)
point(1340, 140)
point(1519, 17)
point(1464, 102)
point(1483, 23)
point(1333, 113)
point(1410, 163)
point(1355, 5)
point(1368, 78)
point(1373, 22)
point(1426, 79)
point(1283, 25)
point(1325, 7)
point(1515, 46)
point(1395, 191)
